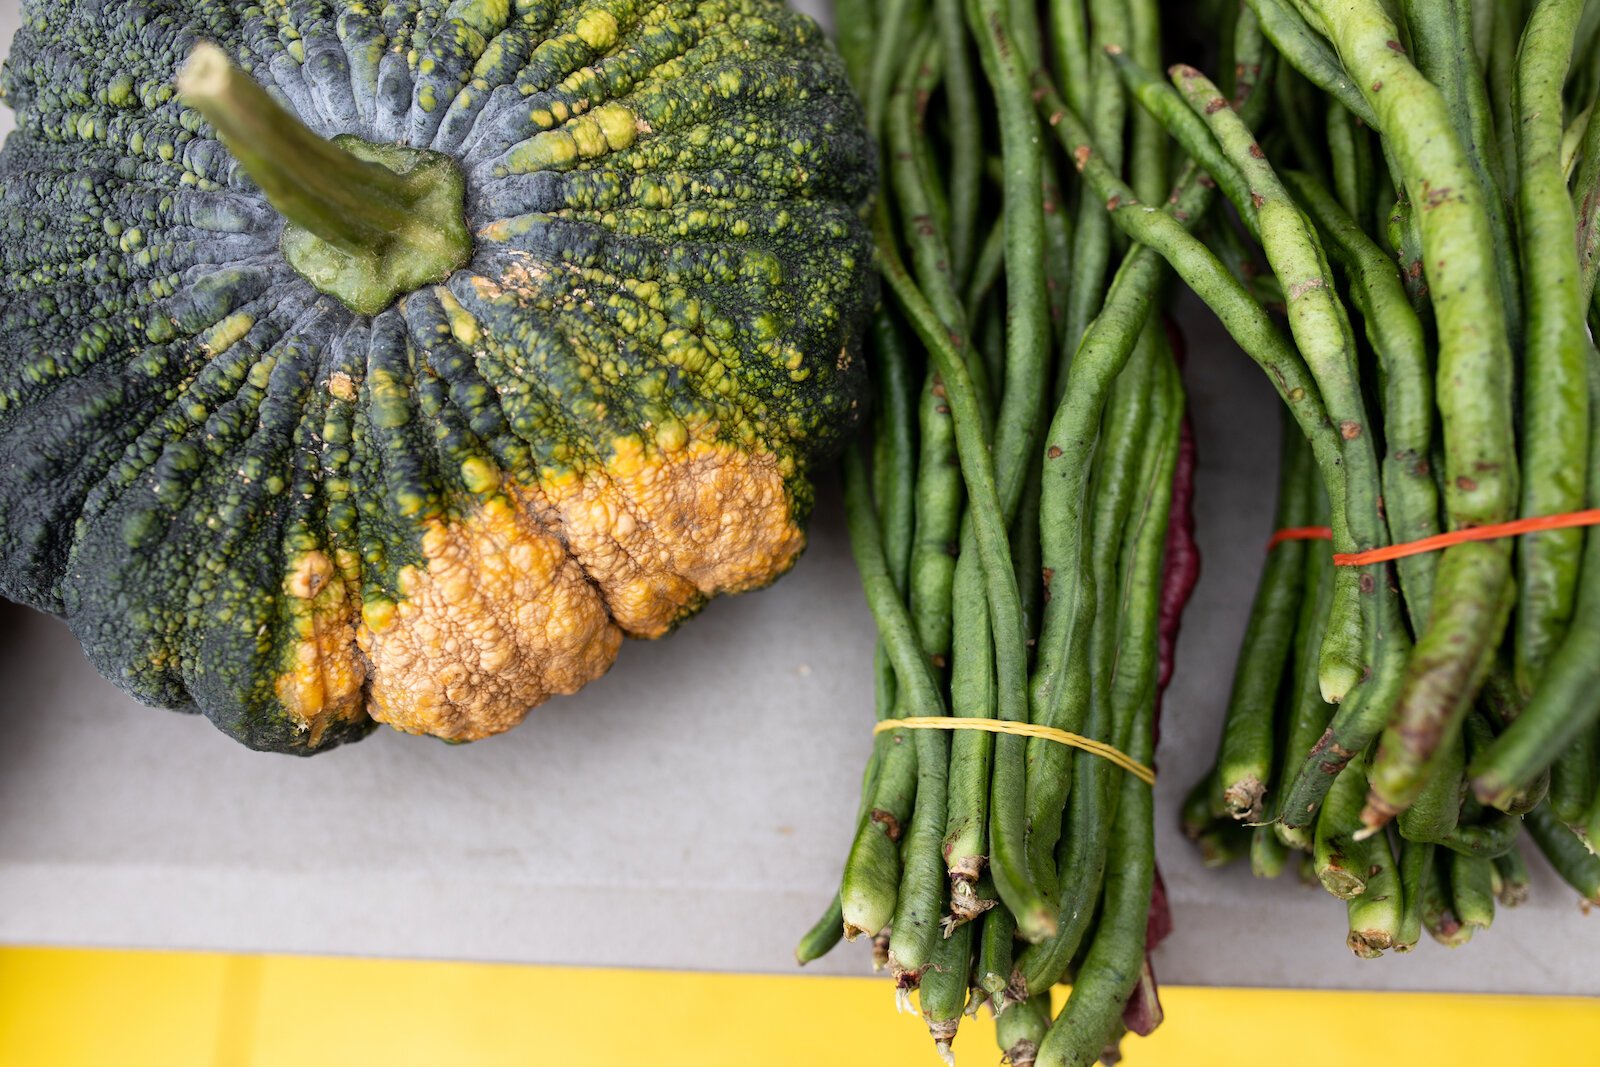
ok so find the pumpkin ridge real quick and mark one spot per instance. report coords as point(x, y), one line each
point(422, 679)
point(467, 372)
point(325, 683)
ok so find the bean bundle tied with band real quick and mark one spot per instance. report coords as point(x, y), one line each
point(1010, 515)
point(1401, 717)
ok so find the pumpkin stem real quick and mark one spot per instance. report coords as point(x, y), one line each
point(364, 222)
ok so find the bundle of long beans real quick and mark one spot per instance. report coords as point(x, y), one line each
point(1433, 165)
point(1430, 164)
point(1010, 515)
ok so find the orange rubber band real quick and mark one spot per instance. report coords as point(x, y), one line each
point(1300, 533)
point(1493, 532)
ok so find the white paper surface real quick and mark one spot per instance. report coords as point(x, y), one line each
point(689, 810)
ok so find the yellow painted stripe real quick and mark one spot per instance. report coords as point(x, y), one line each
point(80, 1008)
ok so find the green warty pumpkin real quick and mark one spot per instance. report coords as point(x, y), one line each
point(406, 356)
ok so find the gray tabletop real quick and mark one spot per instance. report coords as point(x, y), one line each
point(689, 810)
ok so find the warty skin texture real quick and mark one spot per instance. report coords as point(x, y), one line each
point(247, 500)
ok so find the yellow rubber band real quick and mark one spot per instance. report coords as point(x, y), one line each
point(1023, 729)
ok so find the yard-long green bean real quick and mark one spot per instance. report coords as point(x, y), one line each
point(1474, 372)
point(1555, 411)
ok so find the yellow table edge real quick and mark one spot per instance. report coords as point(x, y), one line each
point(64, 1007)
